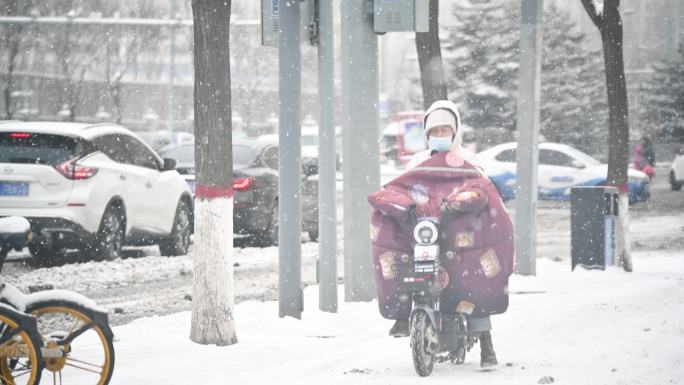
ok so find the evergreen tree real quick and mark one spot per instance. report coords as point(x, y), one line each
point(662, 100)
point(483, 45)
point(573, 107)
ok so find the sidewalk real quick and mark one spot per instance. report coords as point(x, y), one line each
point(585, 327)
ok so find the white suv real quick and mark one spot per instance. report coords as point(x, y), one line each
point(94, 187)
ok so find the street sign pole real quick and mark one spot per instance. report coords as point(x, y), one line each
point(327, 216)
point(289, 166)
point(360, 160)
point(528, 138)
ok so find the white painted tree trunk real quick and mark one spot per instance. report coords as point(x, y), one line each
point(212, 298)
point(624, 247)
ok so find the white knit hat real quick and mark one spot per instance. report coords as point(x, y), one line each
point(440, 117)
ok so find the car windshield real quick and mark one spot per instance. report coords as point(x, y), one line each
point(51, 150)
point(182, 154)
point(186, 154)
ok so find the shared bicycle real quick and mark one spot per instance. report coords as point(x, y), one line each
point(53, 336)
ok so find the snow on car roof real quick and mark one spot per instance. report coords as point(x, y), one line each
point(543, 146)
point(83, 130)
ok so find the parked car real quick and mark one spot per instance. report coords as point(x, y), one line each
point(309, 141)
point(560, 168)
point(94, 187)
point(389, 143)
point(677, 171)
point(162, 138)
point(255, 185)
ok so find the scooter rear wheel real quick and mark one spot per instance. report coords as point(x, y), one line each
point(424, 343)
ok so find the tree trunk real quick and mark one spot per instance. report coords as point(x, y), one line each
point(13, 52)
point(618, 152)
point(14, 40)
point(117, 100)
point(213, 300)
point(609, 24)
point(430, 60)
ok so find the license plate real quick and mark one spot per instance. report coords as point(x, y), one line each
point(14, 189)
point(425, 252)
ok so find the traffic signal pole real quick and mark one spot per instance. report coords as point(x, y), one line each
point(360, 160)
point(290, 163)
point(327, 215)
point(528, 138)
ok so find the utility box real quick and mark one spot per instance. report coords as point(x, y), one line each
point(593, 216)
point(269, 22)
point(270, 27)
point(401, 15)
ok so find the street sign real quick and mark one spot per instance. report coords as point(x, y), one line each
point(269, 22)
point(270, 27)
point(401, 15)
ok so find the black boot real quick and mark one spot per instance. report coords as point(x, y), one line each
point(400, 328)
point(487, 355)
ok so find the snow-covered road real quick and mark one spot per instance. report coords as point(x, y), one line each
point(147, 284)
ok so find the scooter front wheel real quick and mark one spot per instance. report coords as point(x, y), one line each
point(424, 343)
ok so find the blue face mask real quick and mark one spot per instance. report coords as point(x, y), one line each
point(437, 143)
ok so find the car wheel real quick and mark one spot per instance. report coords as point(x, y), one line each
point(313, 236)
point(269, 237)
point(179, 240)
point(110, 237)
point(673, 182)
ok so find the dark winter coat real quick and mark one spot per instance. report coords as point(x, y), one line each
point(478, 235)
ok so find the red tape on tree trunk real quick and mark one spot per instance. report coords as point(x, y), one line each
point(212, 192)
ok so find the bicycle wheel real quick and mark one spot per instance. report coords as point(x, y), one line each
point(20, 356)
point(78, 346)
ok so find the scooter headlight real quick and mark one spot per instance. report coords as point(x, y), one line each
point(425, 233)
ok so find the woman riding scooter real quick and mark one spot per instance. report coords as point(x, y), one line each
point(479, 229)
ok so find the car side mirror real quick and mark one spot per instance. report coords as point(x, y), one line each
point(577, 164)
point(169, 164)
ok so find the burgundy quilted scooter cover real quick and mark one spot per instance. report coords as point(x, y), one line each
point(477, 241)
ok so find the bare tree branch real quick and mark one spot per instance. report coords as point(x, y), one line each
point(595, 17)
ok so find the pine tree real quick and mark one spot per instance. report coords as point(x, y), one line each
point(662, 100)
point(483, 73)
point(574, 110)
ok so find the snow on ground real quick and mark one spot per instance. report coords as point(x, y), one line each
point(582, 327)
point(91, 277)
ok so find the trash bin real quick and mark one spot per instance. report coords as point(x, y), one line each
point(593, 216)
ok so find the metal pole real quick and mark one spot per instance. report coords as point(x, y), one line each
point(290, 165)
point(172, 66)
point(327, 216)
point(361, 163)
point(528, 139)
